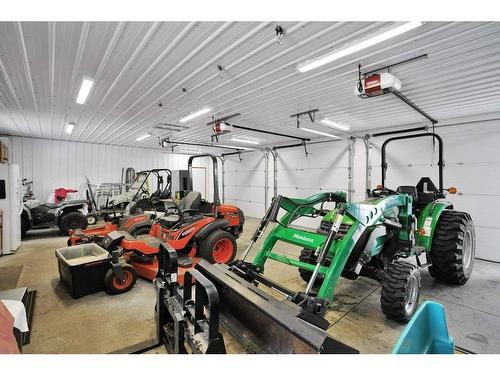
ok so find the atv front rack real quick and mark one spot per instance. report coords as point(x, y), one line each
point(256, 320)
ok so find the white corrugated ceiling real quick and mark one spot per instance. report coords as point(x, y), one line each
point(136, 66)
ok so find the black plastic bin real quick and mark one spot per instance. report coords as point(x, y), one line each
point(82, 268)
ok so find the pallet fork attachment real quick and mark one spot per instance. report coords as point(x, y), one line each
point(186, 319)
point(258, 321)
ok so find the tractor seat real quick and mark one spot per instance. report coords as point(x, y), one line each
point(190, 209)
point(410, 190)
point(426, 191)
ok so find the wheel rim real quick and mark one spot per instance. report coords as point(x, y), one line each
point(123, 285)
point(91, 220)
point(223, 250)
point(411, 295)
point(467, 251)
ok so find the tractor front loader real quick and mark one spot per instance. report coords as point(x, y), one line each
point(227, 297)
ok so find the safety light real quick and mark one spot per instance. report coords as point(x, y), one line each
point(452, 190)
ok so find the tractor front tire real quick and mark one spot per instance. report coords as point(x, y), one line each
point(72, 220)
point(115, 286)
point(218, 247)
point(307, 256)
point(453, 248)
point(400, 291)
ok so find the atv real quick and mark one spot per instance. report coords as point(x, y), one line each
point(66, 215)
point(134, 201)
point(195, 228)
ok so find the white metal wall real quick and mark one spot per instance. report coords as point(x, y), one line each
point(472, 164)
point(52, 164)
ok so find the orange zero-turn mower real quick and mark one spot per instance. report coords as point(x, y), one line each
point(198, 229)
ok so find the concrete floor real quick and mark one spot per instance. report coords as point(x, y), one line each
point(100, 323)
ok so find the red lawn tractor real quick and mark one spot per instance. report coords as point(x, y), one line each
point(195, 228)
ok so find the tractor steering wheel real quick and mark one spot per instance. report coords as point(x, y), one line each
point(383, 191)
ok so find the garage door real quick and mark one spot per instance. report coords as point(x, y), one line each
point(472, 164)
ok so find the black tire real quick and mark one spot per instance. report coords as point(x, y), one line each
point(25, 226)
point(453, 248)
point(92, 219)
point(114, 286)
point(72, 220)
point(400, 291)
point(208, 249)
point(307, 256)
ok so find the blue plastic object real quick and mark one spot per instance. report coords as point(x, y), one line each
point(426, 333)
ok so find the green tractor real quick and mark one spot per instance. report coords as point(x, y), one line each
point(392, 226)
point(374, 238)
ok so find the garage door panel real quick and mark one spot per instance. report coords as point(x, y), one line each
point(487, 240)
point(472, 165)
point(244, 183)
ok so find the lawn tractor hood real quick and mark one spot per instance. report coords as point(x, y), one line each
point(377, 84)
point(253, 319)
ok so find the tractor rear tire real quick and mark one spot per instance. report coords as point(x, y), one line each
point(113, 284)
point(400, 291)
point(72, 220)
point(218, 247)
point(307, 256)
point(453, 248)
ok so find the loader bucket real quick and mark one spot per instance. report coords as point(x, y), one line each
point(260, 322)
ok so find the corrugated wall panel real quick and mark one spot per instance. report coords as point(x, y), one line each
point(52, 164)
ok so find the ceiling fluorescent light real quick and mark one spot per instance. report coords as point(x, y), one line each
point(196, 114)
point(237, 147)
point(336, 125)
point(143, 137)
point(85, 88)
point(243, 140)
point(318, 132)
point(69, 127)
point(335, 55)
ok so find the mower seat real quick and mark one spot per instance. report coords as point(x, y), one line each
point(190, 209)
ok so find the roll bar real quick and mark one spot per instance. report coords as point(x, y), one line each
point(215, 171)
point(156, 172)
point(440, 161)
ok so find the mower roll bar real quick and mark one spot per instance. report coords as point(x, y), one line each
point(440, 154)
point(215, 171)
